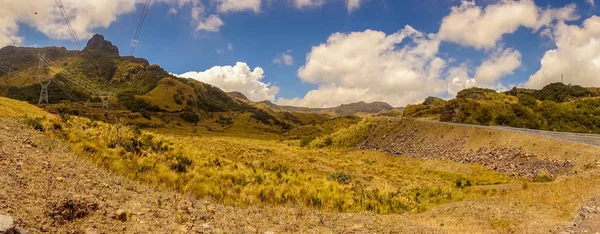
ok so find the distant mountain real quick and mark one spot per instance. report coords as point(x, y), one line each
point(144, 88)
point(138, 84)
point(342, 110)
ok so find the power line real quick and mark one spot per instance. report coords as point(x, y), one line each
point(61, 7)
point(9, 37)
point(84, 84)
point(136, 36)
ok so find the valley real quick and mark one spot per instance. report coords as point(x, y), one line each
point(176, 155)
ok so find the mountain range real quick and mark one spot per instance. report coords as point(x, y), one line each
point(136, 85)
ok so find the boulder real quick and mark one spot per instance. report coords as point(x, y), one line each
point(7, 225)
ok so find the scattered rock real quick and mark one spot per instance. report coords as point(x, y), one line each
point(60, 179)
point(206, 227)
point(90, 231)
point(513, 161)
point(67, 210)
point(250, 229)
point(121, 215)
point(7, 225)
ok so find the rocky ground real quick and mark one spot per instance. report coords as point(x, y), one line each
point(512, 161)
point(587, 219)
point(47, 189)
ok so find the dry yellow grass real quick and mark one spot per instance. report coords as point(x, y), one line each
point(269, 172)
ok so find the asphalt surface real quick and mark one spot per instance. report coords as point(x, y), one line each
point(581, 138)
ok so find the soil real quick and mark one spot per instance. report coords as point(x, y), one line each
point(47, 189)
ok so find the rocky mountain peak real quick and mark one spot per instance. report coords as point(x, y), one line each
point(98, 43)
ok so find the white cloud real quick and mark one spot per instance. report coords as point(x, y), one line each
point(230, 47)
point(352, 5)
point(211, 23)
point(487, 75)
point(284, 58)
point(591, 2)
point(500, 64)
point(458, 79)
point(368, 66)
point(577, 56)
point(237, 78)
point(308, 3)
point(197, 12)
point(225, 6)
point(473, 25)
point(84, 16)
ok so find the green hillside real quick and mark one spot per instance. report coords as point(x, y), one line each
point(556, 107)
point(144, 94)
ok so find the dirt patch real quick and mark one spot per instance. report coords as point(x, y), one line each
point(69, 209)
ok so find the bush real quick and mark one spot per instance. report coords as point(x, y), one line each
point(340, 177)
point(146, 114)
point(328, 141)
point(543, 178)
point(226, 120)
point(181, 164)
point(262, 116)
point(527, 100)
point(190, 116)
point(35, 123)
point(462, 183)
point(306, 140)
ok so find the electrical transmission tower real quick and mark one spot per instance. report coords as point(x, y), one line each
point(44, 92)
point(82, 83)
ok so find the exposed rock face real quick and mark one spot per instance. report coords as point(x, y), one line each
point(513, 161)
point(7, 225)
point(98, 43)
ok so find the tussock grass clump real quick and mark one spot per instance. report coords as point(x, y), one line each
point(241, 171)
point(248, 171)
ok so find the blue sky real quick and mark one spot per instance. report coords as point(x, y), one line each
point(258, 38)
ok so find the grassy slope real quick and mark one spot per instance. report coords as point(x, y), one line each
point(163, 95)
point(269, 172)
point(556, 107)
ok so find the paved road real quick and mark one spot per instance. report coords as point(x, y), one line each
point(582, 138)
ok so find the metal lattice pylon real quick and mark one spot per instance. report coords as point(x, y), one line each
point(44, 93)
point(105, 102)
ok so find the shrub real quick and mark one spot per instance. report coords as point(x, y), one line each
point(226, 120)
point(181, 164)
point(462, 183)
point(328, 141)
point(340, 177)
point(190, 116)
point(306, 140)
point(527, 100)
point(146, 114)
point(543, 178)
point(35, 123)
